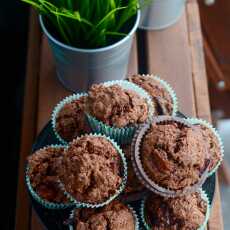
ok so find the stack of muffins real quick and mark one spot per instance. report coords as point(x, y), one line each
point(122, 142)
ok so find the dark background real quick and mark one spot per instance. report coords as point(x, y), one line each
point(13, 40)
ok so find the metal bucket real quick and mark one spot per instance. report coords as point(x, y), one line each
point(78, 69)
point(160, 14)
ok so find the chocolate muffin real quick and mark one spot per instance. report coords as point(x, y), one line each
point(184, 213)
point(133, 185)
point(114, 216)
point(173, 154)
point(70, 120)
point(43, 168)
point(91, 169)
point(116, 106)
point(162, 100)
point(214, 148)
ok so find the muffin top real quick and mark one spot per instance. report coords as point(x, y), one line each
point(43, 174)
point(162, 100)
point(173, 155)
point(116, 106)
point(214, 148)
point(184, 213)
point(133, 185)
point(114, 216)
point(70, 120)
point(91, 169)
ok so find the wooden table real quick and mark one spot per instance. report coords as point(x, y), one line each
point(176, 54)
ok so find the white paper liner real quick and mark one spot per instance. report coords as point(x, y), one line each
point(196, 121)
point(142, 175)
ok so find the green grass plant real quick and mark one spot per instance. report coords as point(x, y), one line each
point(87, 23)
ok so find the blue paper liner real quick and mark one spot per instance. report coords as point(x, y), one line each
point(80, 204)
point(44, 203)
point(121, 135)
point(58, 108)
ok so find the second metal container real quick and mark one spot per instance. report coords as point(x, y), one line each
point(160, 14)
point(77, 68)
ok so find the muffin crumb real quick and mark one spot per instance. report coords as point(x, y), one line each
point(43, 173)
point(162, 100)
point(116, 106)
point(114, 216)
point(91, 169)
point(174, 155)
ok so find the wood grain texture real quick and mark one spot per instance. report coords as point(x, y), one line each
point(28, 132)
point(216, 218)
point(197, 61)
point(201, 94)
point(168, 54)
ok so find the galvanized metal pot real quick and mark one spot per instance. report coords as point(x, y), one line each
point(160, 14)
point(77, 68)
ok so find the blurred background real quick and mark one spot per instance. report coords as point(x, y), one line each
point(13, 40)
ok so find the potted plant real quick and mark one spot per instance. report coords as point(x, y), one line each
point(90, 40)
point(160, 14)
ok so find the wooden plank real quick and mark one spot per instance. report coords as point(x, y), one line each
point(51, 91)
point(168, 54)
point(28, 120)
point(216, 217)
point(197, 61)
point(201, 94)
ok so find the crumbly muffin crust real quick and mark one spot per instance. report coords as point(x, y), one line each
point(43, 174)
point(162, 100)
point(213, 146)
point(71, 121)
point(116, 106)
point(184, 213)
point(91, 169)
point(133, 185)
point(173, 155)
point(114, 216)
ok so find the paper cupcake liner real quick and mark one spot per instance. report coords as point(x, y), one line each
point(125, 134)
point(196, 121)
point(57, 109)
point(135, 216)
point(202, 227)
point(41, 201)
point(170, 90)
point(80, 204)
point(144, 177)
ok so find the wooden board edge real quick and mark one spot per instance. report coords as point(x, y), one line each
point(201, 93)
